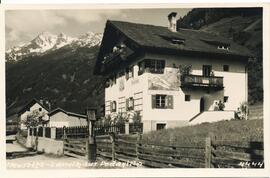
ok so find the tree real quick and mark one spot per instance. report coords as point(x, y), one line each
point(34, 119)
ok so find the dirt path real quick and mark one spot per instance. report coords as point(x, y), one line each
point(19, 157)
point(15, 147)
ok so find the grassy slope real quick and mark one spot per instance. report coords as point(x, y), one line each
point(250, 130)
point(64, 77)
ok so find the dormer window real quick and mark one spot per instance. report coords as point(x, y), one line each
point(178, 41)
point(218, 44)
point(224, 47)
point(174, 40)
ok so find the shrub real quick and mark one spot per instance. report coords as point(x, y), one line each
point(242, 111)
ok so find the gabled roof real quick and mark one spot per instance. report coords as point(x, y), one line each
point(153, 36)
point(31, 103)
point(157, 39)
point(57, 110)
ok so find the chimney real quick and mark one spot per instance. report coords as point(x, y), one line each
point(172, 21)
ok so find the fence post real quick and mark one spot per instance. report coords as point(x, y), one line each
point(91, 141)
point(126, 127)
point(138, 143)
point(208, 152)
point(28, 132)
point(44, 130)
point(64, 133)
point(112, 137)
point(53, 132)
point(36, 139)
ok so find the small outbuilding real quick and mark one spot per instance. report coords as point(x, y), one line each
point(60, 118)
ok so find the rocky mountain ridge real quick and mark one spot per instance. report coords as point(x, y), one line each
point(46, 42)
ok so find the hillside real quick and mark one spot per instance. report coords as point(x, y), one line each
point(244, 26)
point(234, 130)
point(64, 77)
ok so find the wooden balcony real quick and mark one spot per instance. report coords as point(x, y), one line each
point(198, 81)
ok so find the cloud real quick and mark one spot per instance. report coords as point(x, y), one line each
point(25, 24)
point(22, 24)
point(87, 16)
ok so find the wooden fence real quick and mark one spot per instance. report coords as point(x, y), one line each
point(99, 129)
point(207, 153)
point(226, 154)
point(75, 147)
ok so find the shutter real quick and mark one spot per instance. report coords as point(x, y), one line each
point(169, 101)
point(111, 106)
point(153, 101)
point(127, 104)
point(132, 103)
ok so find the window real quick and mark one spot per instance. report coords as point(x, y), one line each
point(207, 70)
point(161, 126)
point(112, 79)
point(178, 41)
point(226, 68)
point(113, 106)
point(187, 97)
point(141, 68)
point(174, 40)
point(224, 47)
point(130, 104)
point(40, 109)
point(129, 72)
point(162, 101)
point(155, 66)
point(225, 99)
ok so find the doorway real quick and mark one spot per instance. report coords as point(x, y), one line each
point(201, 104)
point(206, 70)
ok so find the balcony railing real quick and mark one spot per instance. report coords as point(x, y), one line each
point(198, 81)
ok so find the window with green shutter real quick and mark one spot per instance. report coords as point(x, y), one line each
point(169, 101)
point(129, 104)
point(113, 106)
point(162, 101)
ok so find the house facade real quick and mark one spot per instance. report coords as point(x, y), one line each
point(34, 105)
point(61, 118)
point(172, 78)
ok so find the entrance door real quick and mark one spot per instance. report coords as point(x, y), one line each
point(201, 104)
point(206, 70)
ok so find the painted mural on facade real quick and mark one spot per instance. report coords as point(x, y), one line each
point(170, 80)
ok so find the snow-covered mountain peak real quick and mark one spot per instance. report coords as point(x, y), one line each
point(47, 41)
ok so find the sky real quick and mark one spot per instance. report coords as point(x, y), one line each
point(24, 25)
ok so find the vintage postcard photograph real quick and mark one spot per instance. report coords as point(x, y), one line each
point(135, 88)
